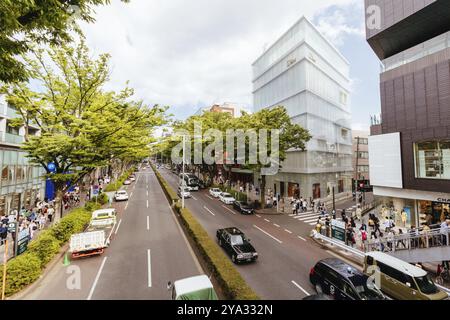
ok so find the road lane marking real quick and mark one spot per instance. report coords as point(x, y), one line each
point(288, 231)
point(147, 203)
point(232, 211)
point(268, 234)
point(131, 194)
point(311, 220)
point(301, 238)
point(266, 220)
point(209, 210)
point(298, 286)
point(147, 193)
point(148, 223)
point(194, 198)
point(277, 225)
point(210, 197)
point(96, 278)
point(149, 261)
point(258, 215)
point(126, 206)
point(118, 226)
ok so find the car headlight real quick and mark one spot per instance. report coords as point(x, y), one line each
point(240, 256)
point(255, 254)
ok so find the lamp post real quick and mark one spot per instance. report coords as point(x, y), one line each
point(16, 234)
point(183, 181)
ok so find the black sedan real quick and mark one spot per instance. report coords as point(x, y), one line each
point(236, 245)
point(243, 208)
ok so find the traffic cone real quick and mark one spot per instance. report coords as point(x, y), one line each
point(66, 260)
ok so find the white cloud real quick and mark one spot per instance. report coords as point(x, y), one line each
point(188, 54)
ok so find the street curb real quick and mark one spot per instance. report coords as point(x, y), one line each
point(50, 266)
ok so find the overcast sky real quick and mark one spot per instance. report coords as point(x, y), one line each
point(190, 54)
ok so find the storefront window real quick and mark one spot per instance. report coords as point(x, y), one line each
point(5, 173)
point(433, 159)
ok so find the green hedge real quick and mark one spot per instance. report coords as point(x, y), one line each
point(230, 280)
point(116, 185)
point(101, 199)
point(170, 193)
point(26, 268)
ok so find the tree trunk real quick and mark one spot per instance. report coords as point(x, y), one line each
point(58, 205)
point(263, 192)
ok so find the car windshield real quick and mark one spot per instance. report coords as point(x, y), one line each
point(426, 285)
point(226, 195)
point(236, 240)
point(366, 292)
point(122, 193)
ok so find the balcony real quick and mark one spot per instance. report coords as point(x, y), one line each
point(11, 138)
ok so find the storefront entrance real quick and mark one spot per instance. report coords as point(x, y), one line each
point(293, 190)
point(439, 211)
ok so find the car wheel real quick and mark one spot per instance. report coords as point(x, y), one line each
point(319, 289)
point(233, 258)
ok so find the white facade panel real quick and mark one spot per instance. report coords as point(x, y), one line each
point(385, 160)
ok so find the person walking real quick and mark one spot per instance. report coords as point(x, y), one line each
point(42, 221)
point(50, 213)
point(444, 232)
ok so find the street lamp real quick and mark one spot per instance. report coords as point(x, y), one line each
point(183, 180)
point(19, 191)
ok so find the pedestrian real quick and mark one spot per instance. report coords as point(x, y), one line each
point(349, 239)
point(363, 239)
point(297, 204)
point(50, 212)
point(3, 233)
point(42, 221)
point(444, 232)
point(305, 205)
point(352, 222)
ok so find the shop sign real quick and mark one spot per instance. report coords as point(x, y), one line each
point(443, 200)
point(338, 230)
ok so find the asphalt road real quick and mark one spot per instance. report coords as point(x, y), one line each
point(148, 250)
point(286, 255)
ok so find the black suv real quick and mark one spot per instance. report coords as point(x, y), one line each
point(236, 245)
point(341, 281)
point(243, 208)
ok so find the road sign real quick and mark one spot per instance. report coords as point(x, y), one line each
point(51, 167)
point(338, 230)
point(24, 238)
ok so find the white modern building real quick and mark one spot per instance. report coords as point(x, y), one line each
point(19, 178)
point(306, 74)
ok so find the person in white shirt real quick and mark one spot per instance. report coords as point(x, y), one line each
point(42, 221)
point(444, 231)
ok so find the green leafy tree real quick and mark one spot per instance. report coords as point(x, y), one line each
point(81, 126)
point(27, 22)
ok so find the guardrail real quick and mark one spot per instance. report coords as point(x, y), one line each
point(356, 252)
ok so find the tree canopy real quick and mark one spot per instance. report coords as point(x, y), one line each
point(27, 22)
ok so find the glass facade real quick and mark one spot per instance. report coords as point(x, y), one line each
point(433, 159)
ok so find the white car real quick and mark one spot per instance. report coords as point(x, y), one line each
point(183, 192)
point(127, 182)
point(215, 192)
point(226, 198)
point(121, 195)
point(132, 178)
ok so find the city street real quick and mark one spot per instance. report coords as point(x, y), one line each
point(148, 250)
point(286, 254)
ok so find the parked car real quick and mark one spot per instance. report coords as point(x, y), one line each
point(226, 198)
point(121, 195)
point(215, 192)
point(341, 281)
point(127, 182)
point(243, 207)
point(236, 245)
point(184, 192)
point(401, 280)
point(132, 177)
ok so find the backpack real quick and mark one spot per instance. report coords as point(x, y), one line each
point(364, 236)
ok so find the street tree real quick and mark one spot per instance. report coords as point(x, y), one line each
point(46, 22)
point(81, 125)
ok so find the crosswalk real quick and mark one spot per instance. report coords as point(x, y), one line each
point(308, 217)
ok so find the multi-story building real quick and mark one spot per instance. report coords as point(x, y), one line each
point(306, 74)
point(360, 162)
point(410, 149)
point(19, 178)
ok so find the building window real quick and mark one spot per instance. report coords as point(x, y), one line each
point(363, 169)
point(5, 173)
point(433, 159)
point(343, 98)
point(363, 141)
point(362, 154)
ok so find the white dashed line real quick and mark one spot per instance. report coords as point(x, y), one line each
point(96, 278)
point(301, 238)
point(148, 223)
point(266, 220)
point(258, 215)
point(288, 231)
point(298, 286)
point(232, 211)
point(147, 203)
point(194, 198)
point(126, 206)
point(118, 226)
point(276, 225)
point(149, 262)
point(209, 211)
point(210, 197)
point(268, 234)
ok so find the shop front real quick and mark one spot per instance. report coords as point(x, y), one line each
point(434, 211)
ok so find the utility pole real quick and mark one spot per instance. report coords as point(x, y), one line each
point(5, 260)
point(17, 226)
point(356, 165)
point(183, 181)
